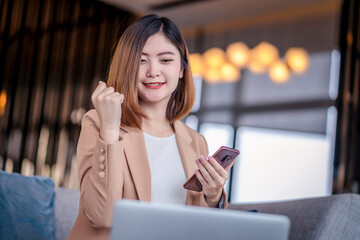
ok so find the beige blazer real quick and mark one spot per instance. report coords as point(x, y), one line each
point(109, 172)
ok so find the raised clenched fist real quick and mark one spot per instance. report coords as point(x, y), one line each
point(107, 104)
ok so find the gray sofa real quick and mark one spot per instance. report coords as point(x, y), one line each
point(333, 217)
point(326, 218)
point(66, 210)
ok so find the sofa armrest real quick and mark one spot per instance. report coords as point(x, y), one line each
point(66, 210)
point(333, 217)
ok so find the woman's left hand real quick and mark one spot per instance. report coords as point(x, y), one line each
point(213, 177)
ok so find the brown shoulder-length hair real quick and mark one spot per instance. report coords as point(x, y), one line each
point(124, 69)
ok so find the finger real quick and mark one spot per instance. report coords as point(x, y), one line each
point(218, 168)
point(205, 173)
point(200, 178)
point(105, 92)
point(121, 96)
point(112, 96)
point(116, 96)
point(213, 170)
point(100, 87)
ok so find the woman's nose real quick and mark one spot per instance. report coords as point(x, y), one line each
point(153, 70)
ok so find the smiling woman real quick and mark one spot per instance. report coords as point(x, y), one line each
point(133, 144)
point(130, 51)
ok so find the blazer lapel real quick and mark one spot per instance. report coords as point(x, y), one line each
point(188, 156)
point(187, 151)
point(136, 155)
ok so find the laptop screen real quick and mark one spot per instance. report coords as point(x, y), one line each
point(141, 220)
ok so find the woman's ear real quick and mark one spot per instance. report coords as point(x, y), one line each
point(181, 74)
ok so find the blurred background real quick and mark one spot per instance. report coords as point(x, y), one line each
point(278, 80)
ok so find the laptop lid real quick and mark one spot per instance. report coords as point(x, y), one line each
point(141, 220)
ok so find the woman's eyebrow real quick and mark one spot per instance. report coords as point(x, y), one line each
point(161, 53)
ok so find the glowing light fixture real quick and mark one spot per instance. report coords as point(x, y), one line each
point(215, 65)
point(279, 72)
point(256, 67)
point(297, 59)
point(229, 73)
point(196, 63)
point(238, 54)
point(212, 75)
point(3, 99)
point(214, 57)
point(265, 53)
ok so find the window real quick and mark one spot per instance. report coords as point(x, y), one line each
point(285, 134)
point(279, 165)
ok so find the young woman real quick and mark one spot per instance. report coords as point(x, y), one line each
point(133, 144)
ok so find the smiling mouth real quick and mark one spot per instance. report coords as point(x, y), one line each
point(153, 84)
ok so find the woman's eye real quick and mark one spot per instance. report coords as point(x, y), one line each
point(166, 60)
point(142, 61)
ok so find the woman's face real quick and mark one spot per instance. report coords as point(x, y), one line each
point(160, 70)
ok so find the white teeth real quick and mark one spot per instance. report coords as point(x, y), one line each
point(152, 84)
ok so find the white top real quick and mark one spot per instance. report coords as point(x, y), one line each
point(167, 171)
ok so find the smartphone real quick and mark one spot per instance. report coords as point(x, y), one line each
point(224, 155)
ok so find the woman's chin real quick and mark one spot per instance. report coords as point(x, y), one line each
point(154, 100)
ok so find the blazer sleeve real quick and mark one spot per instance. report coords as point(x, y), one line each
point(94, 158)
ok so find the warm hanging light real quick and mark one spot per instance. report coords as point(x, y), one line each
point(297, 59)
point(238, 54)
point(229, 73)
point(3, 99)
point(212, 75)
point(214, 57)
point(215, 65)
point(196, 63)
point(265, 53)
point(279, 72)
point(256, 66)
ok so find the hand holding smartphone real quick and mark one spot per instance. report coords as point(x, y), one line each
point(224, 156)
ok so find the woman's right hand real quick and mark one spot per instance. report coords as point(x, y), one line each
point(107, 104)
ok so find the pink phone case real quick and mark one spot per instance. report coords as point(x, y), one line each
point(224, 155)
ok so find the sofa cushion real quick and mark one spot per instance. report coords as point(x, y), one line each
point(326, 218)
point(66, 210)
point(26, 207)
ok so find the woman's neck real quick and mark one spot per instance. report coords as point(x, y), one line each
point(156, 128)
point(157, 123)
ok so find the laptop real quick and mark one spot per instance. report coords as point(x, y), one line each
point(151, 221)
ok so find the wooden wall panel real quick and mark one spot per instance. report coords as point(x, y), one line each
point(53, 53)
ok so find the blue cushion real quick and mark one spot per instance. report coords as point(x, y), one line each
point(26, 207)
